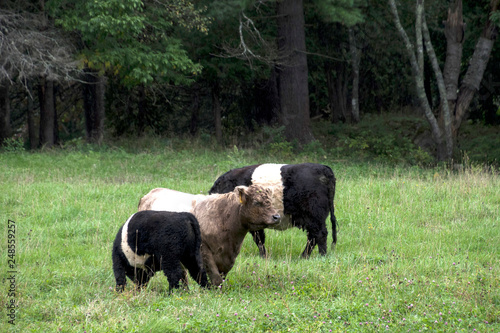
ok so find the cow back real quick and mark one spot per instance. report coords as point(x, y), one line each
point(235, 177)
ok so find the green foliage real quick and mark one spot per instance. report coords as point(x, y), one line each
point(282, 148)
point(314, 148)
point(274, 142)
point(495, 18)
point(236, 156)
point(13, 145)
point(347, 12)
point(480, 143)
point(387, 139)
point(133, 39)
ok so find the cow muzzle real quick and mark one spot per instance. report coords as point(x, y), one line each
point(275, 219)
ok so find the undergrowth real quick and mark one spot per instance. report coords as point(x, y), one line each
point(393, 139)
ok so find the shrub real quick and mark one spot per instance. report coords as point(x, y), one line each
point(13, 144)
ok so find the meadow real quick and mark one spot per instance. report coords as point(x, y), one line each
point(418, 249)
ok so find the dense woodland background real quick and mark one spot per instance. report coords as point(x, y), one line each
point(289, 75)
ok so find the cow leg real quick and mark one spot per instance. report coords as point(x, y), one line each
point(211, 268)
point(196, 271)
point(311, 243)
point(316, 234)
point(320, 234)
point(259, 237)
point(321, 240)
point(119, 270)
point(172, 269)
point(184, 279)
point(139, 276)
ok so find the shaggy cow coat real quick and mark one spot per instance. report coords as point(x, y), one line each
point(225, 219)
point(303, 194)
point(169, 200)
point(157, 240)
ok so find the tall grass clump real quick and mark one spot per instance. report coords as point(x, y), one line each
point(417, 251)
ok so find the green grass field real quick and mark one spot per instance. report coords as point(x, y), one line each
point(418, 250)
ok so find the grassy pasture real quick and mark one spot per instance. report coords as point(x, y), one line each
point(419, 249)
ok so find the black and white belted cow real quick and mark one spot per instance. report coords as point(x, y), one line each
point(151, 241)
point(303, 194)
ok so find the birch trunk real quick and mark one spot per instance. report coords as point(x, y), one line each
point(419, 12)
point(453, 106)
point(419, 82)
point(445, 110)
point(477, 65)
point(454, 30)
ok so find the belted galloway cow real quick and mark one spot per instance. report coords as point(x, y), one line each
point(151, 241)
point(303, 194)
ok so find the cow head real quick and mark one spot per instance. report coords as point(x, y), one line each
point(257, 211)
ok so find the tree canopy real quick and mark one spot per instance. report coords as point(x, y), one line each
point(134, 39)
point(222, 67)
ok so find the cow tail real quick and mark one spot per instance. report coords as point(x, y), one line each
point(331, 197)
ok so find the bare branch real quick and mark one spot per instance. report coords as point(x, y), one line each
point(29, 48)
point(252, 45)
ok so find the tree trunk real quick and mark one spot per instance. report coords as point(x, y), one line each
point(428, 83)
point(47, 113)
point(46, 101)
point(293, 73)
point(266, 100)
point(93, 103)
point(355, 60)
point(419, 81)
point(447, 84)
point(195, 111)
point(454, 30)
point(217, 113)
point(5, 129)
point(419, 13)
point(141, 109)
point(475, 72)
point(33, 141)
point(56, 118)
point(337, 90)
point(445, 110)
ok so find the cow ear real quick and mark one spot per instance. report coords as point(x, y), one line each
point(242, 194)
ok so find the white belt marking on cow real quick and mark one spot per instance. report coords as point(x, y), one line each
point(132, 257)
point(174, 201)
point(269, 175)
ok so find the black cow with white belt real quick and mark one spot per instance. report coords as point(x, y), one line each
point(151, 241)
point(303, 194)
